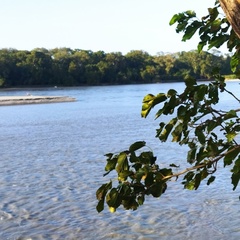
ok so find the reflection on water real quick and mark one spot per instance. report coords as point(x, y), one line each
point(52, 163)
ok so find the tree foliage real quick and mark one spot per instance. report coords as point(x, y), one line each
point(67, 67)
point(195, 121)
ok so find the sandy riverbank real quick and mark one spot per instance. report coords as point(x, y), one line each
point(17, 100)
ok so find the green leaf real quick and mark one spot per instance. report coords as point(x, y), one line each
point(157, 189)
point(191, 155)
point(137, 145)
point(234, 62)
point(235, 179)
point(113, 199)
point(130, 203)
point(197, 180)
point(175, 18)
point(101, 192)
point(211, 124)
point(190, 82)
point(146, 157)
point(210, 180)
point(100, 206)
point(201, 91)
point(133, 158)
point(111, 164)
point(213, 12)
point(230, 156)
point(189, 176)
point(171, 92)
point(181, 112)
point(148, 98)
point(140, 199)
point(177, 133)
point(199, 133)
point(190, 30)
point(122, 163)
point(190, 13)
point(216, 25)
point(100, 195)
point(230, 136)
point(189, 185)
point(149, 180)
point(201, 45)
point(122, 176)
point(230, 114)
point(161, 97)
point(213, 93)
point(168, 128)
point(109, 155)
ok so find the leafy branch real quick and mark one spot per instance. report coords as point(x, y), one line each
point(209, 133)
point(139, 175)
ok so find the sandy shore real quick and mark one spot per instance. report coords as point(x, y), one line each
point(16, 100)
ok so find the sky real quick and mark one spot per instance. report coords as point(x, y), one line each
point(105, 25)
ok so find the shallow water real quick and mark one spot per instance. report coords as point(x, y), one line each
point(52, 163)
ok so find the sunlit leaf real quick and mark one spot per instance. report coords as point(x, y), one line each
point(112, 209)
point(175, 18)
point(190, 185)
point(122, 160)
point(111, 164)
point(148, 98)
point(230, 136)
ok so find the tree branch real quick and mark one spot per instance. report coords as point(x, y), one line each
point(201, 165)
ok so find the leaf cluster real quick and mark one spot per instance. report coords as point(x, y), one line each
point(138, 175)
point(209, 133)
point(214, 30)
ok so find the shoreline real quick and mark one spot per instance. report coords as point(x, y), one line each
point(21, 100)
point(29, 88)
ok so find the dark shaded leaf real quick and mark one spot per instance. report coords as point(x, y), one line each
point(210, 180)
point(235, 179)
point(137, 145)
point(230, 156)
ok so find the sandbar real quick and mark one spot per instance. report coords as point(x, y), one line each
point(17, 100)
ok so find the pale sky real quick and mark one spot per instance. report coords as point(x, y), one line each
point(107, 25)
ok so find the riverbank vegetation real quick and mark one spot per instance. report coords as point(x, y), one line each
point(76, 67)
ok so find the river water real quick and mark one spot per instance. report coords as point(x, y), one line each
point(52, 162)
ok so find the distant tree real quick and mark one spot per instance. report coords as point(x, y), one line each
point(7, 67)
point(61, 62)
point(40, 66)
point(136, 62)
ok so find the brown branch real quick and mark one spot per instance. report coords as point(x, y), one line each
point(232, 94)
point(201, 165)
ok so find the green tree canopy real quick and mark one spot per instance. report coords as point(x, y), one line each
point(195, 121)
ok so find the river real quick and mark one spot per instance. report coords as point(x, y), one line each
point(52, 162)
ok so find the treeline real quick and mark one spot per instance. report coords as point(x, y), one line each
point(68, 67)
